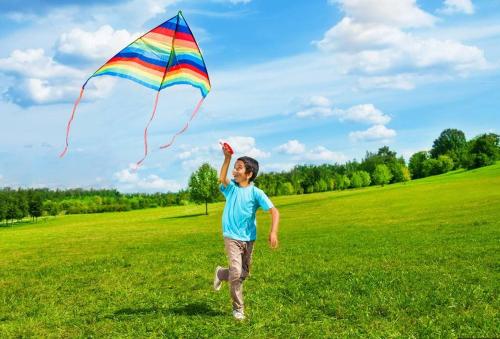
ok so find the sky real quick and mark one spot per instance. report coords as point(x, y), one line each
point(302, 82)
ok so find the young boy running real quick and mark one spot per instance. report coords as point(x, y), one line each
point(239, 225)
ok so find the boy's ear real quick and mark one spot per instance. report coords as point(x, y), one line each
point(249, 175)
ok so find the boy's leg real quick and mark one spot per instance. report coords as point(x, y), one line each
point(234, 251)
point(247, 260)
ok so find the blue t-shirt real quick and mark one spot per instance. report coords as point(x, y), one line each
point(238, 219)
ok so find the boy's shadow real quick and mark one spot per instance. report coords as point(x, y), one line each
point(196, 308)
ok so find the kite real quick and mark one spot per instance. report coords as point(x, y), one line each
point(165, 56)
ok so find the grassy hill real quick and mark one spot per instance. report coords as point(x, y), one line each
point(416, 259)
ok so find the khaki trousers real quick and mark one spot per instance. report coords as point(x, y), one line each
point(239, 255)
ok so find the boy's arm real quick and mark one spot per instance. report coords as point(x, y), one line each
point(225, 165)
point(273, 234)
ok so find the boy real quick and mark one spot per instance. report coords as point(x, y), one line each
point(239, 225)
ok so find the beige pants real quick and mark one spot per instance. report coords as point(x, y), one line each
point(239, 255)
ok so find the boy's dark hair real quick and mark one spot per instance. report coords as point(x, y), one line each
point(251, 165)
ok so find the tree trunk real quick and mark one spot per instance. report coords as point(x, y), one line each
point(206, 207)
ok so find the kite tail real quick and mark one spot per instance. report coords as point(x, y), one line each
point(146, 132)
point(70, 121)
point(187, 124)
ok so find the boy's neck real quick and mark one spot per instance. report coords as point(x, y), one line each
point(244, 184)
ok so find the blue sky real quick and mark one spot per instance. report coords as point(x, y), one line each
point(303, 82)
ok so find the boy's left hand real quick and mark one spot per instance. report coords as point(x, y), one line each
point(273, 240)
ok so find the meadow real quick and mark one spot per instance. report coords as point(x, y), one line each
point(419, 259)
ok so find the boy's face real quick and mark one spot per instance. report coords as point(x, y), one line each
point(239, 172)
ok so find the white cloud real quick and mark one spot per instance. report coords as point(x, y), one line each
point(318, 106)
point(291, 147)
point(321, 153)
point(101, 44)
point(131, 181)
point(399, 81)
point(366, 113)
point(380, 48)
point(246, 146)
point(33, 63)
point(376, 132)
point(400, 13)
point(458, 6)
point(39, 79)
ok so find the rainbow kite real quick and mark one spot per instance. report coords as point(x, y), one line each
point(167, 55)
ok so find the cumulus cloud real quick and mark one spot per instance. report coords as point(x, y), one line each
point(318, 106)
point(366, 113)
point(98, 45)
point(458, 6)
point(376, 132)
point(375, 39)
point(39, 79)
point(131, 181)
point(400, 13)
point(291, 147)
point(376, 48)
point(246, 146)
point(33, 63)
point(321, 153)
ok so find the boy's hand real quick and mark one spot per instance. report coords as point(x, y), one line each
point(227, 150)
point(273, 240)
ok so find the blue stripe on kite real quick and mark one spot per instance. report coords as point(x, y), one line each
point(186, 82)
point(180, 28)
point(151, 54)
point(190, 60)
point(142, 58)
point(130, 77)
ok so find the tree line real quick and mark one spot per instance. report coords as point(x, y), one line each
point(450, 151)
point(21, 203)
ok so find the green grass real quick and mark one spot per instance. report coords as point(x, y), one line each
point(419, 259)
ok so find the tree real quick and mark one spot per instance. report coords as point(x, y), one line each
point(483, 150)
point(401, 173)
point(445, 163)
point(35, 206)
point(3, 206)
point(204, 185)
point(366, 178)
point(450, 142)
point(286, 188)
point(356, 180)
point(416, 164)
point(382, 175)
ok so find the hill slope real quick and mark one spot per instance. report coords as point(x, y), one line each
point(416, 259)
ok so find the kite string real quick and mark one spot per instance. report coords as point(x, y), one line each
point(146, 131)
point(185, 126)
point(68, 128)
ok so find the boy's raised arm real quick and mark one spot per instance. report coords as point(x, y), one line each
point(225, 165)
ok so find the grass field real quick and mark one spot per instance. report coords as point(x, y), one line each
point(419, 259)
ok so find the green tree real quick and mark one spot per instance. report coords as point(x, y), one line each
point(445, 163)
point(366, 178)
point(451, 142)
point(204, 185)
point(286, 188)
point(356, 180)
point(401, 173)
point(382, 175)
point(416, 164)
point(483, 150)
point(35, 206)
point(51, 207)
